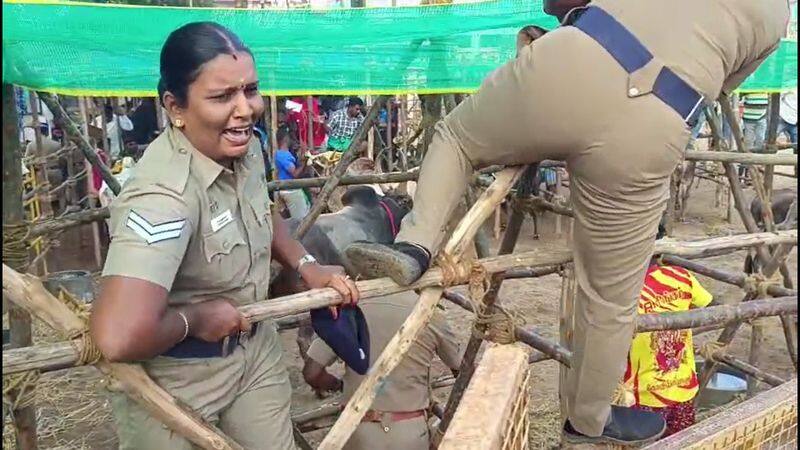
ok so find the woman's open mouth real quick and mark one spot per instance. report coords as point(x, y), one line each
point(238, 136)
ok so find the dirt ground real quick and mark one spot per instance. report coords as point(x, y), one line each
point(74, 413)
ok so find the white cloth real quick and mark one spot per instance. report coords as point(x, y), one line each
point(112, 132)
point(789, 107)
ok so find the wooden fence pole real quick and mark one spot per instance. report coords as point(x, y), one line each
point(467, 367)
point(15, 253)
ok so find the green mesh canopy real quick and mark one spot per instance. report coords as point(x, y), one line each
point(103, 50)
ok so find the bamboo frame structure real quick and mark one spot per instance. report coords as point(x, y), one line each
point(168, 410)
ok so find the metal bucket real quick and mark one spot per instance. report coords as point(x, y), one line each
point(726, 384)
point(79, 283)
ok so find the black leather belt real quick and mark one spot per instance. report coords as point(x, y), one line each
point(197, 348)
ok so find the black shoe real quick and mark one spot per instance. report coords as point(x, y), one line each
point(401, 261)
point(627, 427)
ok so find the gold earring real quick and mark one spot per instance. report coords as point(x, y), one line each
point(179, 123)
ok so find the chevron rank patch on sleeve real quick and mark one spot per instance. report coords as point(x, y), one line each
point(153, 233)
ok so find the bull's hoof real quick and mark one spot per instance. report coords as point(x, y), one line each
point(402, 262)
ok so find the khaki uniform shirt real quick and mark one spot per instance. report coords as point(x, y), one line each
point(190, 225)
point(407, 386)
point(712, 44)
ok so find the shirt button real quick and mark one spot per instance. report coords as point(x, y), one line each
point(633, 91)
point(182, 151)
point(226, 244)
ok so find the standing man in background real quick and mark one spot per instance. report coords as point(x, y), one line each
point(343, 124)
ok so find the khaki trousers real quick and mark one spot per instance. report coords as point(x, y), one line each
point(246, 394)
point(411, 434)
point(566, 98)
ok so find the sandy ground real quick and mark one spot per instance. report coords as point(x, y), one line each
point(73, 411)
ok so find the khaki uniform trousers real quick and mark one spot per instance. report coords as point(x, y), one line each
point(246, 394)
point(566, 98)
point(411, 434)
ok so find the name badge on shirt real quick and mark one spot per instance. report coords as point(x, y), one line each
point(221, 220)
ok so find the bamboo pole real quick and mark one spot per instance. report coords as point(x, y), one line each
point(697, 318)
point(467, 367)
point(40, 170)
point(422, 312)
point(350, 155)
point(71, 129)
point(717, 314)
point(748, 368)
point(14, 215)
point(737, 279)
point(743, 158)
point(756, 342)
point(28, 293)
point(345, 180)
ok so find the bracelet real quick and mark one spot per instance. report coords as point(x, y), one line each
point(185, 326)
point(306, 259)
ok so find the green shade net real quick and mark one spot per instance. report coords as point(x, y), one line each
point(100, 50)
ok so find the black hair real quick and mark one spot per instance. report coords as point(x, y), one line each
point(355, 101)
point(280, 135)
point(108, 111)
point(187, 49)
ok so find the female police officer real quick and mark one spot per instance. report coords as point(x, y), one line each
point(192, 236)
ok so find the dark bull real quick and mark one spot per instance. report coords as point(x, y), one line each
point(784, 212)
point(366, 216)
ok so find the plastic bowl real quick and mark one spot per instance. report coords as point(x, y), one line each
point(726, 384)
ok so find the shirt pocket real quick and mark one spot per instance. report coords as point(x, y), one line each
point(262, 236)
point(220, 244)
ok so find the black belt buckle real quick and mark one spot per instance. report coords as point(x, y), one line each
point(228, 344)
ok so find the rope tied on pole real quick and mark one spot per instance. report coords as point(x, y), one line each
point(18, 390)
point(88, 353)
point(758, 285)
point(495, 323)
point(710, 349)
point(15, 245)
